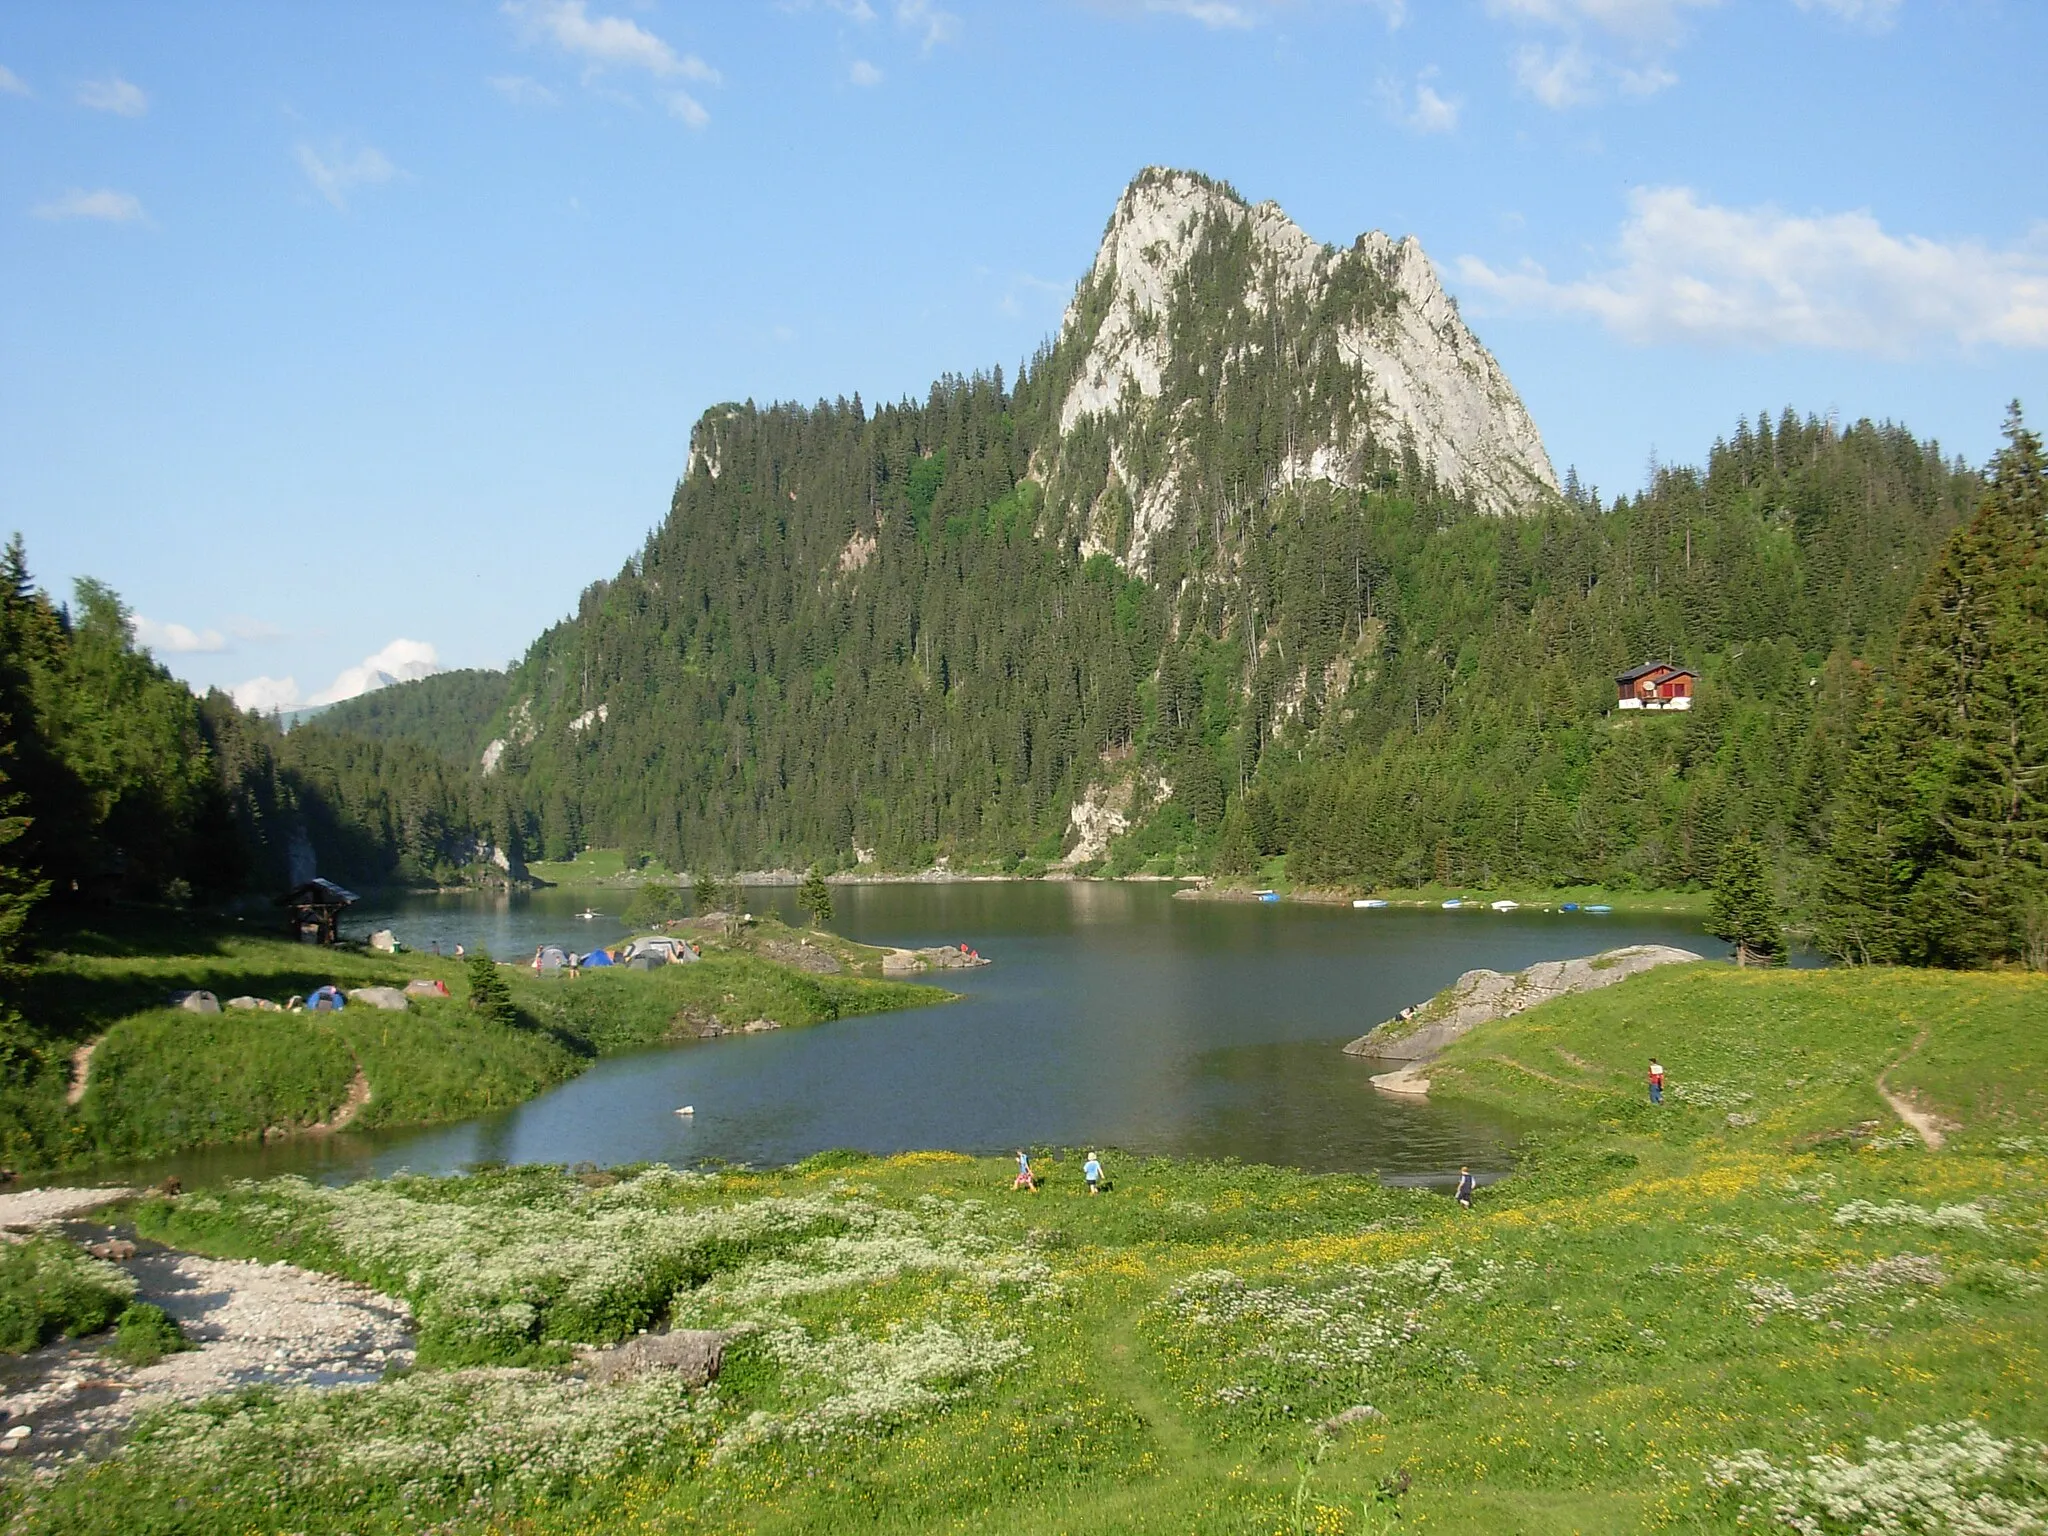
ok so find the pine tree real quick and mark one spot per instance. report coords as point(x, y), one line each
point(489, 997)
point(707, 894)
point(653, 904)
point(1744, 910)
point(815, 897)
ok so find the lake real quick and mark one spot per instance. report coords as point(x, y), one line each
point(1112, 1016)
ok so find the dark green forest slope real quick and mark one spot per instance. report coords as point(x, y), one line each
point(866, 630)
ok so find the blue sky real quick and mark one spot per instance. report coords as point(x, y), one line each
point(359, 337)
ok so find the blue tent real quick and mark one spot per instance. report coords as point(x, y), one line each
point(596, 957)
point(326, 1000)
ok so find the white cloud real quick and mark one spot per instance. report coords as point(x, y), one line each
point(1426, 111)
point(106, 205)
point(923, 16)
point(1236, 15)
point(263, 694)
point(863, 73)
point(682, 104)
point(1694, 272)
point(858, 10)
point(176, 639)
point(336, 174)
point(521, 91)
point(1210, 13)
point(402, 661)
point(12, 84)
point(1871, 15)
point(1570, 73)
point(603, 41)
point(113, 94)
point(1657, 23)
point(242, 627)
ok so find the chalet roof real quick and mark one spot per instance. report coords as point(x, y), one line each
point(317, 892)
point(1654, 666)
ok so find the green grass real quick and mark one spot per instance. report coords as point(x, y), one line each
point(50, 1289)
point(162, 1080)
point(1764, 1264)
point(597, 866)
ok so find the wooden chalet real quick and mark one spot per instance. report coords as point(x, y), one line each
point(313, 910)
point(1656, 685)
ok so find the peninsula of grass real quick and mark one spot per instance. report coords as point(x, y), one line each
point(159, 1079)
point(1764, 1304)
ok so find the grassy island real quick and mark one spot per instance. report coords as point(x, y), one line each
point(1768, 1298)
point(158, 1079)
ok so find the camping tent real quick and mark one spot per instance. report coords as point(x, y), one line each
point(662, 948)
point(597, 957)
point(326, 1000)
point(550, 958)
point(644, 963)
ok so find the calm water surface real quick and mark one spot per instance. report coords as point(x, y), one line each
point(1112, 1015)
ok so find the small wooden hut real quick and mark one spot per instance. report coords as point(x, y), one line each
point(313, 910)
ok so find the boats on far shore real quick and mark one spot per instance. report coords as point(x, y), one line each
point(1369, 901)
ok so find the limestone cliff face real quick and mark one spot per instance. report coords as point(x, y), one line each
point(1215, 350)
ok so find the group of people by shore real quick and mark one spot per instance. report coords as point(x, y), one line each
point(1091, 1175)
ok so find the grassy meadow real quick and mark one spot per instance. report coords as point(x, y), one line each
point(1764, 1304)
point(162, 1079)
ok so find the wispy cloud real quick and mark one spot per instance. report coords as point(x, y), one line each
point(934, 26)
point(521, 91)
point(337, 173)
point(1870, 15)
point(1689, 271)
point(1603, 47)
point(864, 74)
point(176, 639)
point(12, 84)
point(105, 205)
point(606, 41)
point(124, 98)
point(1235, 15)
point(402, 661)
point(682, 104)
point(1423, 110)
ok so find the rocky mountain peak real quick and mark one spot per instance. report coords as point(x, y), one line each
point(1201, 305)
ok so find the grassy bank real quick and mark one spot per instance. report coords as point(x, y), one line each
point(1476, 898)
point(161, 1079)
point(1654, 1326)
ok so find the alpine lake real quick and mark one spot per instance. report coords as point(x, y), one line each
point(1112, 1016)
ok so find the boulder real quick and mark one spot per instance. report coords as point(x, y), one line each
point(385, 940)
point(114, 1250)
point(694, 1354)
point(196, 1002)
point(1479, 997)
point(380, 997)
point(426, 989)
point(262, 1003)
point(760, 1026)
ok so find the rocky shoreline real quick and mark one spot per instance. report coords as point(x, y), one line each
point(1418, 1035)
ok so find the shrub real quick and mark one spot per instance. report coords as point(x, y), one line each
point(144, 1334)
point(48, 1287)
point(488, 994)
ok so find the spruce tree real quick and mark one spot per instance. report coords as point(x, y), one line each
point(489, 997)
point(815, 897)
point(1744, 911)
point(707, 893)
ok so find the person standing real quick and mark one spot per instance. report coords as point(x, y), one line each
point(1465, 1188)
point(1656, 1081)
point(1092, 1172)
point(1024, 1180)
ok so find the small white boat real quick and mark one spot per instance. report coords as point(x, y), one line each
point(1505, 906)
point(587, 913)
point(1453, 904)
point(687, 1109)
point(1369, 901)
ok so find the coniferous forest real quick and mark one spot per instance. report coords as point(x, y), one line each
point(868, 635)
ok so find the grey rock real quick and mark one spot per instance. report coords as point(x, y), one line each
point(760, 1026)
point(1479, 997)
point(694, 1354)
point(389, 998)
point(1357, 1413)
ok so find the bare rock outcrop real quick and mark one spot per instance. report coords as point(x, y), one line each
point(1479, 997)
point(694, 1354)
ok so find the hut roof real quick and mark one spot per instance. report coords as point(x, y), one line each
point(317, 893)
